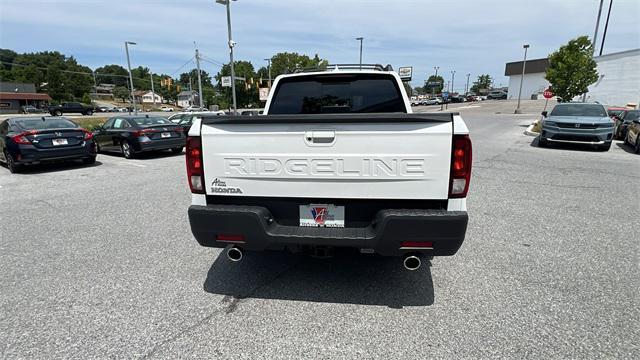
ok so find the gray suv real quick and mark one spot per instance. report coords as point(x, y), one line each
point(578, 123)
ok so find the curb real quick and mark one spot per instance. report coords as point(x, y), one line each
point(529, 130)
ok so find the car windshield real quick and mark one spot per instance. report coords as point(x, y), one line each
point(40, 124)
point(151, 121)
point(590, 110)
point(337, 94)
point(632, 115)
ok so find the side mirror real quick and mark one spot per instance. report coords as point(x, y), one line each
point(544, 113)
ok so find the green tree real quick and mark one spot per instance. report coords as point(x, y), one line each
point(112, 74)
point(246, 91)
point(86, 99)
point(434, 89)
point(572, 68)
point(193, 75)
point(285, 63)
point(482, 84)
point(121, 92)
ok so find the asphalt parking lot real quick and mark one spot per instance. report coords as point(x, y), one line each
point(98, 261)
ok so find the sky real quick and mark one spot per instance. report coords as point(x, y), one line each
point(466, 36)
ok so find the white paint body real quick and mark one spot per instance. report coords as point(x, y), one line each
point(363, 160)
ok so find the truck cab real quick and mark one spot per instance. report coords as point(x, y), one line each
point(338, 160)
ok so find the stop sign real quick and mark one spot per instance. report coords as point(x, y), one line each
point(547, 94)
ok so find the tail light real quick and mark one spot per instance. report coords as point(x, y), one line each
point(460, 166)
point(195, 168)
point(144, 132)
point(88, 135)
point(22, 137)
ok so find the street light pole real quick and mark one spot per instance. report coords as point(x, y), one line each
point(227, 3)
point(269, 70)
point(524, 65)
point(153, 91)
point(606, 26)
point(133, 97)
point(595, 37)
point(360, 38)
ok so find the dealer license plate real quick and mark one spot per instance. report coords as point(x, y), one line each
point(57, 142)
point(321, 215)
point(165, 135)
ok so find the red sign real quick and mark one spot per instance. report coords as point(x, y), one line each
point(547, 94)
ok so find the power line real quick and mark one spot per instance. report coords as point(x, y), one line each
point(183, 65)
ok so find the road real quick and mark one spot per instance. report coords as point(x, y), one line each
point(99, 262)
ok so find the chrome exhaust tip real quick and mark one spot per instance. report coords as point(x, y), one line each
point(412, 262)
point(234, 254)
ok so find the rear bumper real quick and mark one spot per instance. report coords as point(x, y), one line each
point(445, 229)
point(161, 144)
point(29, 154)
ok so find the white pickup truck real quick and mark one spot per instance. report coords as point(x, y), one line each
point(338, 160)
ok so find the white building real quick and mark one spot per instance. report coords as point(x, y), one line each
point(147, 97)
point(618, 83)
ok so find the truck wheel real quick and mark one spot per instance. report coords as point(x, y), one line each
point(11, 165)
point(57, 113)
point(127, 151)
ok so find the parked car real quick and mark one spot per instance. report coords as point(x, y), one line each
point(131, 134)
point(616, 112)
point(633, 135)
point(623, 121)
point(195, 108)
point(33, 140)
point(30, 109)
point(176, 118)
point(71, 107)
point(166, 108)
point(298, 179)
point(583, 123)
point(250, 112)
point(103, 109)
point(497, 95)
point(458, 99)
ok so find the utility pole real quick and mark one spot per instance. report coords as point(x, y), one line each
point(453, 76)
point(606, 26)
point(524, 65)
point(133, 98)
point(360, 38)
point(595, 37)
point(269, 70)
point(227, 3)
point(433, 88)
point(153, 91)
point(95, 84)
point(466, 87)
point(199, 79)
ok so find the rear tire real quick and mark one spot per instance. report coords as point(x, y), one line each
point(89, 112)
point(127, 151)
point(542, 142)
point(11, 164)
point(177, 150)
point(57, 113)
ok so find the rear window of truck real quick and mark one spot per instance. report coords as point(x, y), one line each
point(340, 93)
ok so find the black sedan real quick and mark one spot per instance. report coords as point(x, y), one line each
point(33, 140)
point(623, 121)
point(132, 134)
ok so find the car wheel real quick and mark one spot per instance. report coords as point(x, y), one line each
point(176, 150)
point(542, 142)
point(89, 112)
point(11, 164)
point(126, 150)
point(626, 140)
point(89, 161)
point(637, 147)
point(57, 113)
point(97, 147)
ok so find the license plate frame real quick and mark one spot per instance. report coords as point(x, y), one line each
point(321, 215)
point(165, 135)
point(58, 142)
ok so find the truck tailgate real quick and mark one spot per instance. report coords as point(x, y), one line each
point(386, 156)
